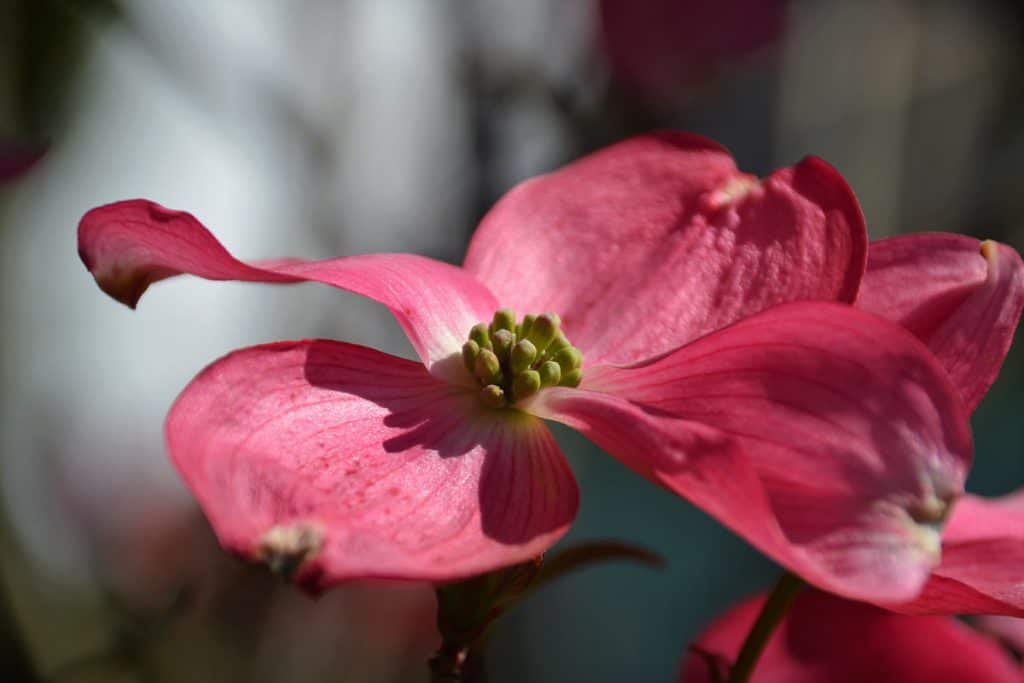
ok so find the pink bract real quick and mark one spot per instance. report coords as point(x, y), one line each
point(963, 298)
point(826, 639)
point(719, 361)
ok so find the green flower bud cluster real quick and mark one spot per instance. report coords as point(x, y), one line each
point(513, 361)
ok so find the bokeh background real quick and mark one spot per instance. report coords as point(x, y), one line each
point(316, 128)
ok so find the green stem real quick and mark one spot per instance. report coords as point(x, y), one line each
point(771, 615)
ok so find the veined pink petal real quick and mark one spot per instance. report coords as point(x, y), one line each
point(655, 241)
point(962, 297)
point(827, 437)
point(982, 569)
point(129, 245)
point(354, 464)
point(825, 639)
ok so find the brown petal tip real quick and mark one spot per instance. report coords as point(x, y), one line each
point(286, 547)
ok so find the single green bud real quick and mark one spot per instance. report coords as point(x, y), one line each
point(526, 384)
point(543, 330)
point(502, 341)
point(492, 396)
point(557, 344)
point(524, 327)
point(480, 335)
point(470, 350)
point(571, 378)
point(487, 367)
point(522, 357)
point(569, 358)
point(550, 373)
point(504, 319)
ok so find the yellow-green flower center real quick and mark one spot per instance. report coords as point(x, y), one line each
point(514, 360)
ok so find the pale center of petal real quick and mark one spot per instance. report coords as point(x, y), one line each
point(514, 360)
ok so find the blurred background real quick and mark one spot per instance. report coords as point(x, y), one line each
point(315, 128)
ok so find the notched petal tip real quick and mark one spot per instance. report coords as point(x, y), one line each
point(114, 248)
point(990, 250)
point(733, 191)
point(286, 548)
point(927, 518)
point(125, 286)
point(931, 511)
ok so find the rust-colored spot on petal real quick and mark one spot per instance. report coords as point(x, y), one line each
point(931, 510)
point(286, 547)
point(929, 517)
point(989, 250)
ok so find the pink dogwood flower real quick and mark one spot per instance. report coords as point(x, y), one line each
point(963, 299)
point(827, 639)
point(692, 320)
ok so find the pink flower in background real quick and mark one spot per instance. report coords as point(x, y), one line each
point(658, 45)
point(963, 298)
point(825, 638)
point(695, 336)
point(17, 158)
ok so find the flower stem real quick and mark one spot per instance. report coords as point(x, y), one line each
point(771, 615)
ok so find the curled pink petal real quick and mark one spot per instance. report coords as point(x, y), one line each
point(825, 639)
point(129, 245)
point(982, 568)
point(962, 297)
point(827, 437)
point(655, 241)
point(337, 462)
